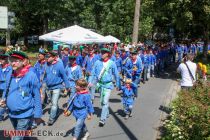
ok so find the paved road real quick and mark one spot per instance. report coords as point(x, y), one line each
point(141, 126)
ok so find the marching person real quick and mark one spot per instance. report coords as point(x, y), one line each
point(5, 73)
point(152, 62)
point(103, 71)
point(22, 96)
point(82, 108)
point(128, 96)
point(88, 64)
point(65, 55)
point(134, 70)
point(55, 77)
point(40, 70)
point(118, 62)
point(74, 73)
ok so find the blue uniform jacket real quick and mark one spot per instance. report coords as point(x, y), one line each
point(107, 78)
point(128, 94)
point(81, 105)
point(113, 58)
point(40, 70)
point(89, 63)
point(137, 64)
point(55, 76)
point(146, 60)
point(4, 76)
point(65, 59)
point(179, 49)
point(73, 75)
point(24, 98)
point(118, 62)
point(79, 60)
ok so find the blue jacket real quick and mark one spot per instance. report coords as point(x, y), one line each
point(125, 64)
point(107, 78)
point(113, 58)
point(81, 105)
point(4, 76)
point(145, 60)
point(128, 94)
point(193, 48)
point(55, 76)
point(179, 49)
point(152, 59)
point(73, 74)
point(89, 63)
point(40, 70)
point(118, 63)
point(65, 59)
point(185, 50)
point(131, 64)
point(79, 60)
point(24, 98)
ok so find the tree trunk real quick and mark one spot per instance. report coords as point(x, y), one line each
point(45, 29)
point(206, 40)
point(136, 22)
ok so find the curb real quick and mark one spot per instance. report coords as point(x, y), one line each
point(168, 98)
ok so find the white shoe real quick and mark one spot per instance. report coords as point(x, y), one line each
point(86, 136)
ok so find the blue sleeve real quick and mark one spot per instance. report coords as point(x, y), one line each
point(37, 98)
point(63, 75)
point(89, 104)
point(139, 68)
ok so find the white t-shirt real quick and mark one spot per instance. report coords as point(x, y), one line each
point(186, 78)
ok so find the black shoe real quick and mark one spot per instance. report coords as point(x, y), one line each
point(130, 115)
point(50, 122)
point(101, 123)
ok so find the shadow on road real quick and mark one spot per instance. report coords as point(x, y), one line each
point(120, 112)
point(123, 126)
point(165, 109)
point(97, 111)
point(114, 100)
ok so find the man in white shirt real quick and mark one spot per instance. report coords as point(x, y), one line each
point(187, 79)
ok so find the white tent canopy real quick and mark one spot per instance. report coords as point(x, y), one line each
point(74, 35)
point(112, 39)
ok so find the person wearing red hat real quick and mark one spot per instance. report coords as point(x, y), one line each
point(22, 96)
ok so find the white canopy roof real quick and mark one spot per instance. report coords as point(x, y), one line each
point(74, 35)
point(112, 39)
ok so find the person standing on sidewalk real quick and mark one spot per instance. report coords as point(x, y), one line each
point(188, 72)
point(103, 71)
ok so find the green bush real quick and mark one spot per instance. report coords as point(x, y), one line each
point(190, 118)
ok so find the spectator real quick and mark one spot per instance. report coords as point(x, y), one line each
point(188, 72)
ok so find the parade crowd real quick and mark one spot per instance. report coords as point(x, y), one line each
point(78, 73)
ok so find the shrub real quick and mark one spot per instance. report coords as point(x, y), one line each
point(190, 118)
